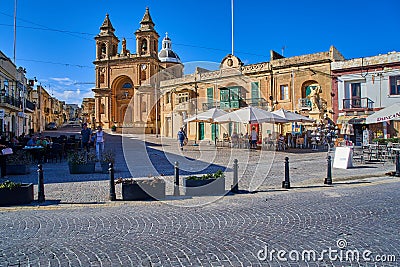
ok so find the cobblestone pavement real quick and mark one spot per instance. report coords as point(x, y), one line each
point(143, 156)
point(262, 229)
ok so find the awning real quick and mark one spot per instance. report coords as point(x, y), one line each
point(359, 119)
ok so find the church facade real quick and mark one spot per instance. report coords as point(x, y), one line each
point(124, 92)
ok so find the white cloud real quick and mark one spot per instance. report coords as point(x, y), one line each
point(65, 89)
point(63, 81)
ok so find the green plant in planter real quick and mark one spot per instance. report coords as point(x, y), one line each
point(19, 157)
point(216, 175)
point(113, 128)
point(151, 182)
point(9, 185)
point(108, 157)
point(81, 158)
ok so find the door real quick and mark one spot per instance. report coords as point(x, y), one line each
point(356, 95)
point(201, 130)
point(214, 131)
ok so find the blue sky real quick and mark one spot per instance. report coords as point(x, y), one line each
point(55, 38)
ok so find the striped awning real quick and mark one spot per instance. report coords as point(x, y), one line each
point(359, 119)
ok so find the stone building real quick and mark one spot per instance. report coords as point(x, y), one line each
point(16, 109)
point(88, 111)
point(362, 86)
point(301, 83)
point(125, 92)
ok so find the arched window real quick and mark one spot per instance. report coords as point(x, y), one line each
point(144, 46)
point(127, 86)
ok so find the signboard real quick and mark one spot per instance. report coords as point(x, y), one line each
point(296, 129)
point(1, 114)
point(343, 158)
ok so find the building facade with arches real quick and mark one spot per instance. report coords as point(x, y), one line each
point(125, 87)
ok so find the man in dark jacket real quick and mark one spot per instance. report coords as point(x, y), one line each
point(86, 133)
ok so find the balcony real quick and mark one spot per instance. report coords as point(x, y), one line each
point(11, 103)
point(357, 104)
point(258, 103)
point(305, 104)
point(184, 106)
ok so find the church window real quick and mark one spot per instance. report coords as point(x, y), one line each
point(144, 46)
point(101, 78)
point(103, 49)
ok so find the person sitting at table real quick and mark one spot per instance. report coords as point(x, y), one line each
point(234, 140)
point(32, 141)
point(14, 141)
point(42, 142)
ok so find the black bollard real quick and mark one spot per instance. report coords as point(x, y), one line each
point(176, 175)
point(397, 174)
point(286, 183)
point(328, 179)
point(235, 186)
point(41, 197)
point(113, 197)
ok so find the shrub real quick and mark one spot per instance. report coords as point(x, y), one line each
point(19, 157)
point(10, 185)
point(216, 175)
point(81, 157)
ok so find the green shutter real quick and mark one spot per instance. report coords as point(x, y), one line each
point(224, 99)
point(210, 95)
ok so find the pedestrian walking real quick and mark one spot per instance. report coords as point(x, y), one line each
point(99, 142)
point(86, 133)
point(181, 137)
point(254, 138)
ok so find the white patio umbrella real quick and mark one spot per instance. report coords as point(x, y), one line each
point(207, 116)
point(291, 116)
point(387, 114)
point(251, 115)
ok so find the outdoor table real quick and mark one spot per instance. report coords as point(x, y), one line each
point(37, 152)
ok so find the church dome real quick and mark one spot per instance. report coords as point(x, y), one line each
point(166, 54)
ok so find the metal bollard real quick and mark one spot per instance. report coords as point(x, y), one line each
point(328, 179)
point(41, 197)
point(235, 186)
point(176, 175)
point(397, 174)
point(286, 183)
point(112, 197)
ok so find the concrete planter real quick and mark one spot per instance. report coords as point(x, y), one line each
point(144, 189)
point(204, 187)
point(18, 195)
point(17, 169)
point(82, 168)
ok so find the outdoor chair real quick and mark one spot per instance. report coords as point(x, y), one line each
point(55, 152)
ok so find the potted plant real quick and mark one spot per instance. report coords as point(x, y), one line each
point(18, 162)
point(81, 162)
point(113, 128)
point(15, 193)
point(152, 188)
point(107, 157)
point(207, 184)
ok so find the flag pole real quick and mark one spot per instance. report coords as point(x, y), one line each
point(15, 28)
point(232, 27)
